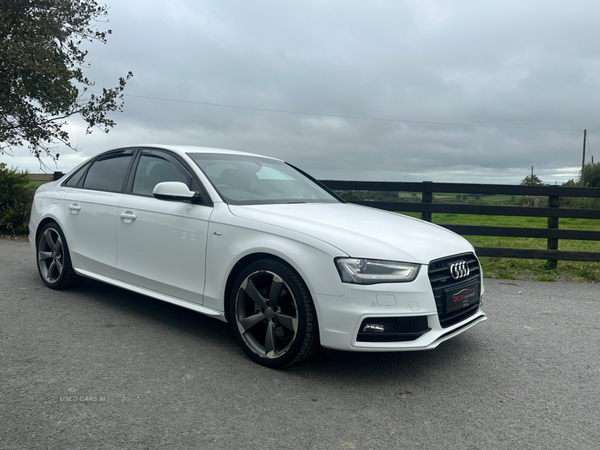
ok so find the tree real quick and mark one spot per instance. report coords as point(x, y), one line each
point(532, 180)
point(41, 73)
point(591, 175)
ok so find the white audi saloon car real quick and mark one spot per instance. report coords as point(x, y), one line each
point(258, 243)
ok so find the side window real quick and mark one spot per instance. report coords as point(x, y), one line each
point(107, 174)
point(152, 170)
point(76, 177)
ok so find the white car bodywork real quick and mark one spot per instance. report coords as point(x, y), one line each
point(112, 237)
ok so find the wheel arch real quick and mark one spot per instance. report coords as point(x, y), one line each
point(61, 258)
point(42, 224)
point(237, 269)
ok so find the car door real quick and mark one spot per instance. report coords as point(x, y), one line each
point(162, 244)
point(91, 201)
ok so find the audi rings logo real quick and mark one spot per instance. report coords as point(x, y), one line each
point(459, 270)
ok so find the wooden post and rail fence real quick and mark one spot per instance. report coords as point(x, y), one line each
point(553, 212)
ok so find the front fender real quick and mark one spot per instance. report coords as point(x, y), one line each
point(230, 239)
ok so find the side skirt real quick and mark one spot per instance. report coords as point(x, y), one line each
point(220, 315)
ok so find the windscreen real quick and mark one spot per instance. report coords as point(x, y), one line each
point(250, 180)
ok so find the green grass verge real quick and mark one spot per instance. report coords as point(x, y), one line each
point(36, 184)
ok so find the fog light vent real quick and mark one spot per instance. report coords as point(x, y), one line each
point(392, 329)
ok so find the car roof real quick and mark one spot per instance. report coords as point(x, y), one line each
point(184, 149)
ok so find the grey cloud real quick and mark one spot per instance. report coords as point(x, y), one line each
point(521, 64)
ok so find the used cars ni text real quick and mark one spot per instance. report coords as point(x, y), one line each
point(258, 243)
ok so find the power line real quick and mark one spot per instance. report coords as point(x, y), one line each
point(554, 154)
point(380, 119)
point(594, 130)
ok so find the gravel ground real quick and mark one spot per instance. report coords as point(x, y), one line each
point(100, 367)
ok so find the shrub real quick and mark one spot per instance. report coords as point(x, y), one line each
point(15, 201)
point(580, 202)
point(529, 200)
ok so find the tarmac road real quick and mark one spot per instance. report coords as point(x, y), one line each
point(100, 367)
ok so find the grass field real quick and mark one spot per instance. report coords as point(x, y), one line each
point(528, 269)
point(36, 184)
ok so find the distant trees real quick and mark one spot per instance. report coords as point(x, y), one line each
point(352, 196)
point(591, 177)
point(532, 180)
point(378, 196)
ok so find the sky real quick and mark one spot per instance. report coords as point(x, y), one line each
point(454, 91)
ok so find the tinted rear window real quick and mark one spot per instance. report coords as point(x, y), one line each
point(108, 174)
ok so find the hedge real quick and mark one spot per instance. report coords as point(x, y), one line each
point(15, 201)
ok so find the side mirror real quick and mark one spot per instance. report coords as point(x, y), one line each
point(172, 190)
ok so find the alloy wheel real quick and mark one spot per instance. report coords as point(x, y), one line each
point(266, 314)
point(51, 255)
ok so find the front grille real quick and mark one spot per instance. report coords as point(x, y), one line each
point(441, 281)
point(397, 329)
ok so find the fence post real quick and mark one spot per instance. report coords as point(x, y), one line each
point(553, 202)
point(427, 197)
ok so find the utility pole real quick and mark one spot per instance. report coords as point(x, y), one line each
point(582, 183)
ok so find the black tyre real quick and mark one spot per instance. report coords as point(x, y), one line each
point(53, 259)
point(272, 314)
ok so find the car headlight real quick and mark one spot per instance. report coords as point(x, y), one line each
point(372, 271)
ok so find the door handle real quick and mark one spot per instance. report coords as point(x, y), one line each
point(128, 216)
point(74, 207)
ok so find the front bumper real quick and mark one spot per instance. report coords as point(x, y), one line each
point(340, 318)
